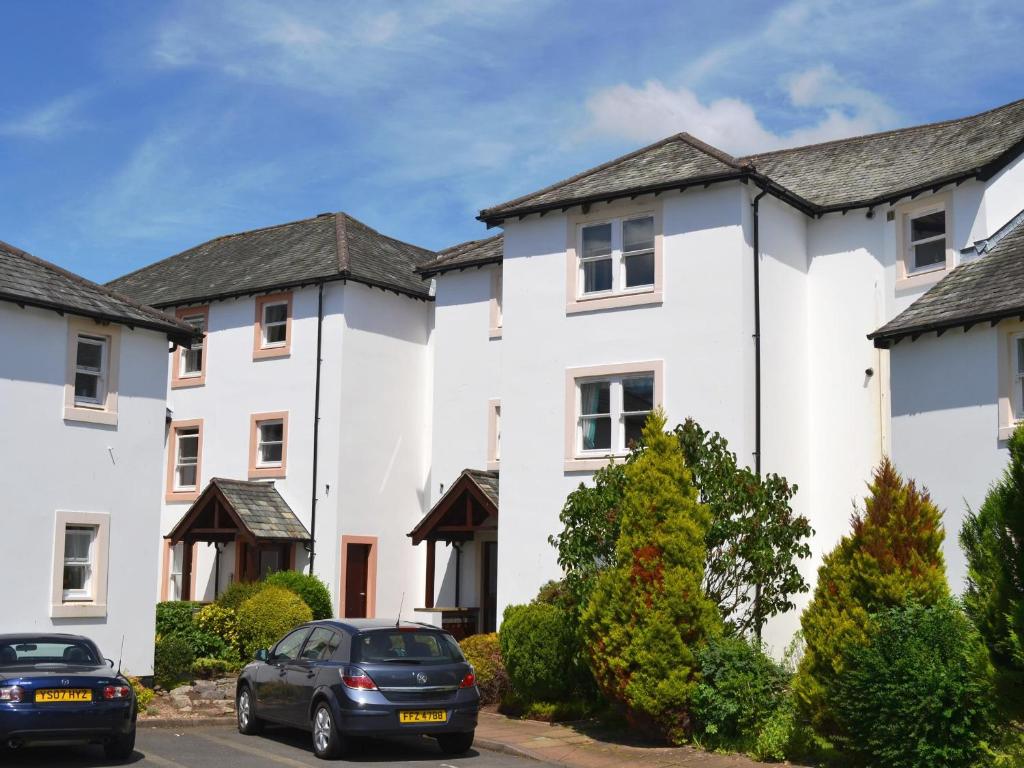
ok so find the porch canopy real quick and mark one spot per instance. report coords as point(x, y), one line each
point(250, 514)
point(468, 506)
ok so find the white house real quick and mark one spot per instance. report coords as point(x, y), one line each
point(457, 414)
point(82, 387)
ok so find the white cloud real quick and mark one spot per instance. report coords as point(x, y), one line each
point(835, 108)
point(48, 121)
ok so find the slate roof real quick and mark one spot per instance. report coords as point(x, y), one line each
point(837, 175)
point(262, 510)
point(331, 246)
point(474, 253)
point(988, 288)
point(486, 481)
point(28, 280)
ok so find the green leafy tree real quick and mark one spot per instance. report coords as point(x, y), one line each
point(993, 541)
point(647, 616)
point(753, 541)
point(892, 557)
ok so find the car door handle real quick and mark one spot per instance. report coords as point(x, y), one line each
point(311, 674)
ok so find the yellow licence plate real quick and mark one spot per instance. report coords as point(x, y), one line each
point(55, 695)
point(424, 716)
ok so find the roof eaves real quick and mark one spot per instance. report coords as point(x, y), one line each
point(438, 269)
point(885, 339)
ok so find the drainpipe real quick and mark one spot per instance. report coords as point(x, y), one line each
point(757, 371)
point(316, 420)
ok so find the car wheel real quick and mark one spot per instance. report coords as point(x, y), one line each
point(456, 743)
point(121, 746)
point(327, 741)
point(245, 710)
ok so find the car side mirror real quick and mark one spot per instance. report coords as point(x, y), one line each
point(262, 655)
point(110, 663)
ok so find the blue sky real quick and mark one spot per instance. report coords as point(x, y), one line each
point(130, 131)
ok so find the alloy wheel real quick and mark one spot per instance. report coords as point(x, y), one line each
point(322, 727)
point(244, 708)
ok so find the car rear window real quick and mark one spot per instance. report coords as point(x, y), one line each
point(28, 653)
point(409, 645)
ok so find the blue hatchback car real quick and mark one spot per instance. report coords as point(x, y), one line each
point(59, 688)
point(362, 677)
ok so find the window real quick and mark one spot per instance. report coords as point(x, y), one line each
point(617, 256)
point(1018, 377)
point(288, 649)
point(613, 412)
point(79, 586)
point(606, 408)
point(78, 560)
point(189, 366)
point(493, 434)
point(184, 460)
point(321, 645)
point(268, 444)
point(273, 326)
point(927, 246)
point(496, 303)
point(90, 390)
point(90, 370)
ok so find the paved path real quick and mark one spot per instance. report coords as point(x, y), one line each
point(224, 747)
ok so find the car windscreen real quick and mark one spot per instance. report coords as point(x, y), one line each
point(412, 646)
point(47, 652)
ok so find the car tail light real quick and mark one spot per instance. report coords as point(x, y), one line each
point(12, 693)
point(354, 677)
point(468, 681)
point(117, 692)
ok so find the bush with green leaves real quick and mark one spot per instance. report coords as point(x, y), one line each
point(538, 646)
point(265, 617)
point(178, 619)
point(208, 669)
point(892, 557)
point(220, 621)
point(647, 616)
point(752, 543)
point(172, 661)
point(484, 653)
point(237, 593)
point(175, 617)
point(740, 690)
point(993, 541)
point(143, 695)
point(919, 693)
point(307, 586)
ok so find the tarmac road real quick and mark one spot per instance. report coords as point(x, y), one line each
point(224, 747)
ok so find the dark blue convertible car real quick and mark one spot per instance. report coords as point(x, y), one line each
point(59, 688)
point(362, 677)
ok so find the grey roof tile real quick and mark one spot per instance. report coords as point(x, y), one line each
point(28, 280)
point(988, 288)
point(330, 246)
point(469, 254)
point(486, 481)
point(262, 509)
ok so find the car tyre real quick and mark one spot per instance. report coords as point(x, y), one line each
point(245, 711)
point(121, 747)
point(328, 742)
point(456, 743)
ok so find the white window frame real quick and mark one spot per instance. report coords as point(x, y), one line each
point(101, 374)
point(92, 601)
point(912, 268)
point(576, 457)
point(260, 442)
point(194, 431)
point(908, 275)
point(89, 562)
point(1017, 377)
point(617, 256)
point(493, 434)
point(103, 408)
point(265, 325)
point(495, 303)
point(199, 346)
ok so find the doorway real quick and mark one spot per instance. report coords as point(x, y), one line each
point(489, 587)
point(358, 577)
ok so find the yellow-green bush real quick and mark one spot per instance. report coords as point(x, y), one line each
point(219, 621)
point(265, 617)
point(143, 695)
point(208, 669)
point(484, 653)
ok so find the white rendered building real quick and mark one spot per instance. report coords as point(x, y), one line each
point(739, 291)
point(82, 387)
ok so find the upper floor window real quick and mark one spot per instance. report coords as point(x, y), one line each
point(91, 364)
point(273, 332)
point(268, 444)
point(495, 307)
point(190, 364)
point(493, 434)
point(925, 252)
point(90, 390)
point(184, 460)
point(617, 255)
point(1018, 376)
point(927, 246)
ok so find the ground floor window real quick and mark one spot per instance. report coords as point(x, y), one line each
point(80, 558)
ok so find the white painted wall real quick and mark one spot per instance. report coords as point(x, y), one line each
point(52, 464)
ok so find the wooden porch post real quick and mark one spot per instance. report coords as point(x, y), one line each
point(429, 597)
point(239, 559)
point(186, 569)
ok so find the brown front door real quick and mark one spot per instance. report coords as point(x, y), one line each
point(489, 591)
point(357, 577)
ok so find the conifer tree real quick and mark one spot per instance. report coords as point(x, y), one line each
point(892, 557)
point(647, 616)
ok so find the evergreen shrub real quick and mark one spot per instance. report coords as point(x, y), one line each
point(313, 592)
point(172, 661)
point(267, 616)
point(484, 653)
point(538, 645)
